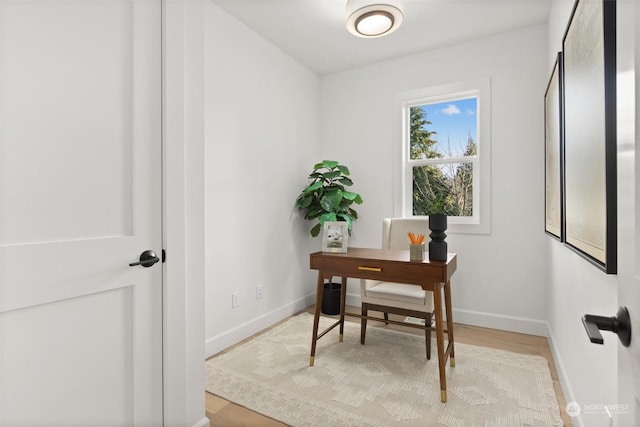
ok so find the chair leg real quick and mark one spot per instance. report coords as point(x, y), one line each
point(363, 323)
point(386, 318)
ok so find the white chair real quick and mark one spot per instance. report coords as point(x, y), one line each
point(398, 298)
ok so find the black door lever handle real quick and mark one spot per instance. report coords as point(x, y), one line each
point(147, 259)
point(619, 324)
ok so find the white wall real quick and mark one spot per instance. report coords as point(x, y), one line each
point(261, 140)
point(588, 372)
point(501, 277)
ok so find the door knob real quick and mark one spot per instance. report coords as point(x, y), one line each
point(619, 324)
point(147, 259)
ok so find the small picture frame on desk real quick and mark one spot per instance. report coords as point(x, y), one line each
point(335, 237)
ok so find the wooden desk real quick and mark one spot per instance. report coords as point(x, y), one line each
point(389, 266)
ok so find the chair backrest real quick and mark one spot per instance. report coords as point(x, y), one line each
point(395, 231)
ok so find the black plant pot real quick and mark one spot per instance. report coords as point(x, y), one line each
point(437, 245)
point(331, 298)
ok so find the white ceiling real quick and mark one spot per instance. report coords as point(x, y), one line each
point(314, 32)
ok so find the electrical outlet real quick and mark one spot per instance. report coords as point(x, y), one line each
point(234, 300)
point(259, 291)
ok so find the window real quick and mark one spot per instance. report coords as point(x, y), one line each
point(444, 152)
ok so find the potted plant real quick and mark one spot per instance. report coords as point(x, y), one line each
point(326, 198)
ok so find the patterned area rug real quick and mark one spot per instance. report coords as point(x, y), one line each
point(386, 382)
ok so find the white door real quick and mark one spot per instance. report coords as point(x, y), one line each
point(80, 199)
point(625, 410)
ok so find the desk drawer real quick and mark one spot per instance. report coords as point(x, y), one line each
point(388, 271)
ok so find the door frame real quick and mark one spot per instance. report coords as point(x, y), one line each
point(183, 213)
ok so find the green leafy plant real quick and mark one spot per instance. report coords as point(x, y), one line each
point(326, 197)
point(438, 205)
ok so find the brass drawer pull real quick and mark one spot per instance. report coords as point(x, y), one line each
point(370, 269)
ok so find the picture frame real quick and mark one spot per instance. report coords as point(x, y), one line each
point(589, 83)
point(335, 236)
point(554, 153)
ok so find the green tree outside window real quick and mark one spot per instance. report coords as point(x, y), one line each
point(444, 187)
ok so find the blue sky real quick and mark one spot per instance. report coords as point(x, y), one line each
point(455, 120)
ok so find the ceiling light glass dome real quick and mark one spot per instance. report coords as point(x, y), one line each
point(369, 19)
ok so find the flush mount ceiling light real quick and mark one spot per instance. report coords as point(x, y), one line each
point(372, 18)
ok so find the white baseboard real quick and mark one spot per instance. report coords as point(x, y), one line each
point(521, 325)
point(567, 391)
point(202, 423)
point(228, 338)
point(468, 317)
point(353, 300)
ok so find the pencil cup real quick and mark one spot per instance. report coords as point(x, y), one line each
point(416, 251)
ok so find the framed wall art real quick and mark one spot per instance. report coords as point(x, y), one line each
point(335, 236)
point(554, 153)
point(589, 70)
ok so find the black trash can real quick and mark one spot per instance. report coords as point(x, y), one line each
point(331, 298)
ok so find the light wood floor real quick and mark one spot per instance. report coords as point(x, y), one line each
point(223, 413)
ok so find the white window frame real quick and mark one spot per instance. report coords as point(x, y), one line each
point(480, 221)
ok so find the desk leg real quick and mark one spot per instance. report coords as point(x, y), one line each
point(437, 311)
point(447, 302)
point(316, 317)
point(343, 300)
